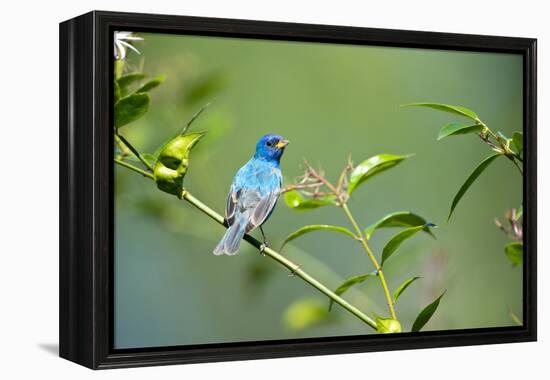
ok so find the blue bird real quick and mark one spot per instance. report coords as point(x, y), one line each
point(253, 194)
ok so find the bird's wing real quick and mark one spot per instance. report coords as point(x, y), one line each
point(231, 205)
point(269, 191)
point(236, 192)
point(263, 210)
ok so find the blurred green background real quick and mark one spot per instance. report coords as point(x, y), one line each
point(329, 101)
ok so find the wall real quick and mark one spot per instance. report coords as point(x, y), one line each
point(29, 116)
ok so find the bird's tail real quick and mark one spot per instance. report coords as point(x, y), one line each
point(232, 239)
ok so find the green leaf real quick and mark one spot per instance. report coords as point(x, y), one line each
point(372, 166)
point(452, 129)
point(149, 157)
point(295, 201)
point(304, 313)
point(151, 84)
point(514, 252)
point(116, 92)
point(519, 212)
point(349, 283)
point(388, 326)
point(426, 314)
point(205, 88)
point(398, 219)
point(471, 178)
point(316, 227)
point(398, 239)
point(126, 80)
point(131, 108)
point(402, 287)
point(517, 139)
point(457, 110)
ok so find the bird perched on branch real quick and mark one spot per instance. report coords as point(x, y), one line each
point(253, 194)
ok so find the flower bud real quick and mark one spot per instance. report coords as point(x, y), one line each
point(173, 161)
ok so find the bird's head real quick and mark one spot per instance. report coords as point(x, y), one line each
point(271, 147)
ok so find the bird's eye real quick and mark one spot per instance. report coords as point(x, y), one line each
point(269, 143)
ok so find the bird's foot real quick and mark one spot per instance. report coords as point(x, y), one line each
point(263, 246)
point(293, 271)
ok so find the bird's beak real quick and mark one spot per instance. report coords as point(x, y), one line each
point(282, 143)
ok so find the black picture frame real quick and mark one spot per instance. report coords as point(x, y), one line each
point(86, 183)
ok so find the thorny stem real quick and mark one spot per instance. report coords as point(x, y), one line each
point(360, 235)
point(135, 152)
point(294, 268)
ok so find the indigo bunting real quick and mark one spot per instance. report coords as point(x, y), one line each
point(253, 194)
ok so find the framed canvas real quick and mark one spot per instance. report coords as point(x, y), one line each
point(235, 189)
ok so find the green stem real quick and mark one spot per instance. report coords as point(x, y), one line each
point(510, 154)
point(135, 152)
point(513, 159)
point(134, 168)
point(369, 252)
point(361, 237)
point(124, 151)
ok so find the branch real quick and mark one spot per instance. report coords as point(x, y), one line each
point(300, 186)
point(370, 254)
point(124, 151)
point(135, 152)
point(321, 178)
point(513, 159)
point(342, 181)
point(294, 268)
point(501, 148)
point(134, 168)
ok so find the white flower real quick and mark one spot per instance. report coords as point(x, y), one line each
point(120, 44)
